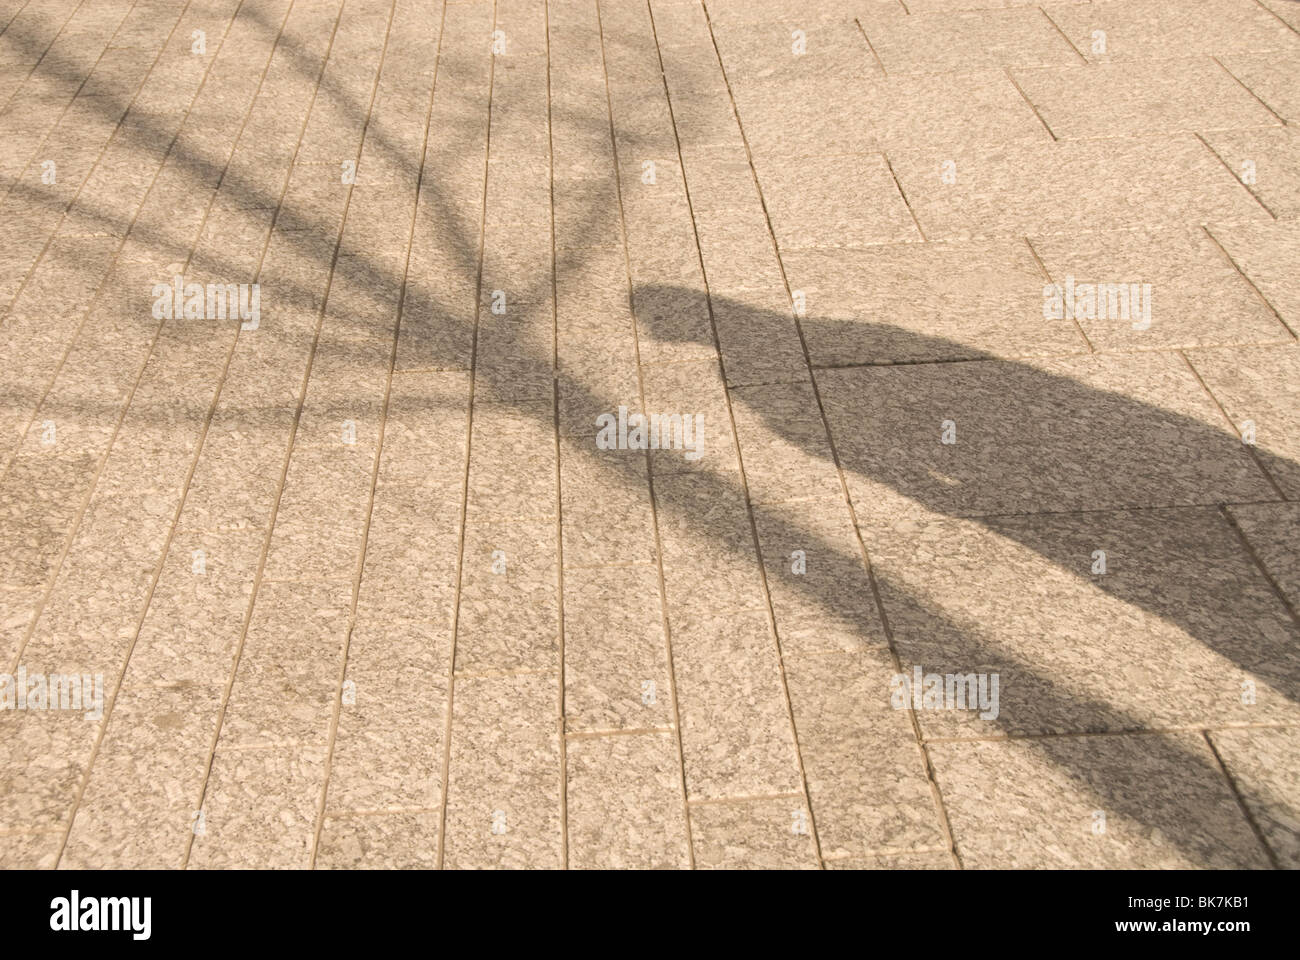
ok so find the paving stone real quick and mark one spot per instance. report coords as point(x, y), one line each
point(1263, 770)
point(1270, 529)
point(1160, 29)
point(1266, 161)
point(911, 302)
point(1076, 650)
point(1260, 385)
point(1140, 98)
point(769, 834)
point(1050, 793)
point(1052, 188)
point(1086, 433)
point(1175, 273)
point(625, 803)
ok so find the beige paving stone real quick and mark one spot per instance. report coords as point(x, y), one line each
point(1155, 29)
point(948, 109)
point(379, 841)
point(766, 834)
point(1076, 650)
point(866, 774)
point(511, 464)
point(736, 734)
point(29, 851)
point(783, 441)
point(287, 680)
point(509, 599)
point(140, 805)
point(1184, 269)
point(260, 808)
point(759, 11)
point(1084, 433)
point(605, 506)
point(389, 744)
point(807, 117)
point(1262, 766)
point(625, 805)
point(616, 672)
point(910, 302)
point(929, 860)
point(708, 545)
point(1140, 98)
point(196, 616)
point(503, 793)
point(1266, 76)
point(1262, 252)
point(1164, 800)
point(1260, 385)
point(965, 40)
point(694, 388)
point(1269, 158)
point(17, 611)
point(822, 598)
point(1053, 188)
point(773, 51)
point(834, 201)
point(1270, 529)
point(759, 338)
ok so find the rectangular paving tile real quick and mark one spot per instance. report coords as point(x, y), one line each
point(736, 734)
point(1053, 188)
point(1159, 29)
point(1270, 530)
point(1164, 279)
point(834, 201)
point(790, 49)
point(1263, 252)
point(1265, 161)
point(287, 680)
point(379, 842)
point(503, 788)
point(260, 808)
point(509, 598)
point(866, 774)
point(1259, 389)
point(816, 576)
point(625, 803)
point(1074, 434)
point(388, 748)
point(949, 108)
point(1262, 767)
point(616, 672)
point(783, 441)
point(966, 40)
point(913, 302)
point(1267, 76)
point(765, 834)
point(1141, 98)
point(1072, 802)
point(1076, 619)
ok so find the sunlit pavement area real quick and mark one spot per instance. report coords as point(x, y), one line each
point(741, 433)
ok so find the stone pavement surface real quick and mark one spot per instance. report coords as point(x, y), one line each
point(336, 333)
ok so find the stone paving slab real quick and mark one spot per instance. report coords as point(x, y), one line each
point(649, 434)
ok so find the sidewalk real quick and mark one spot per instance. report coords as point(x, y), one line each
point(739, 433)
